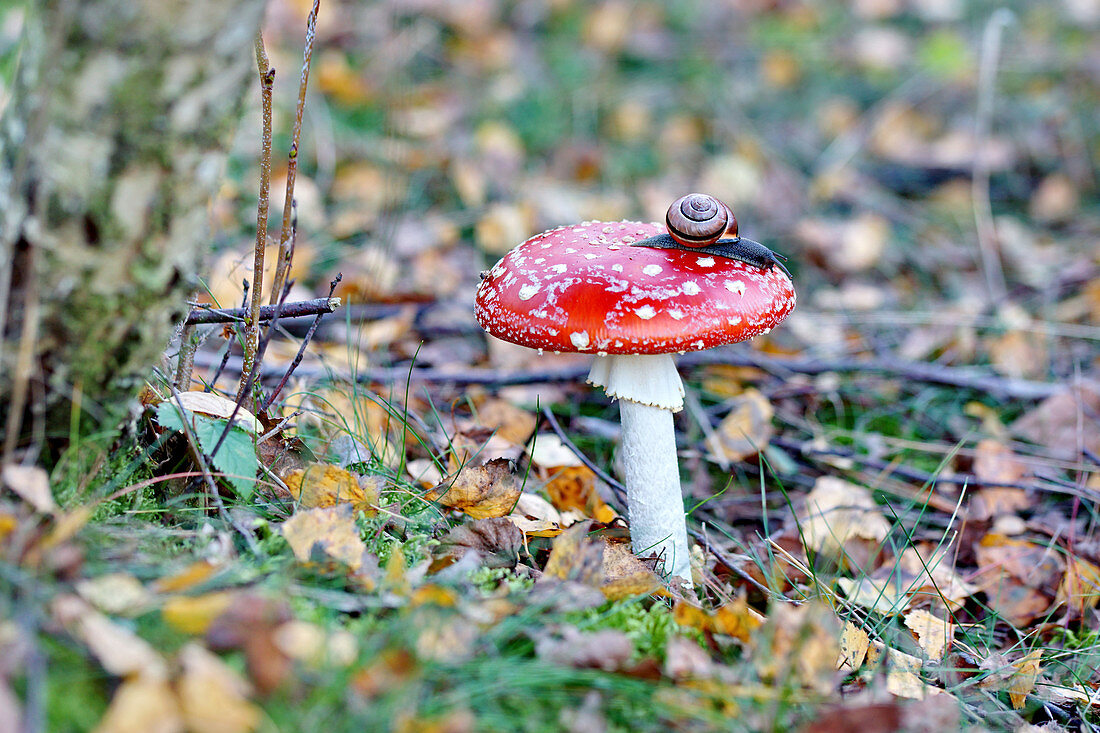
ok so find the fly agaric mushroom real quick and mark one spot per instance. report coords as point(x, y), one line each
point(590, 288)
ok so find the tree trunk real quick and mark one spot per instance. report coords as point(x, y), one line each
point(111, 142)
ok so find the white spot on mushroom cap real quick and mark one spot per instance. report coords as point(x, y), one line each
point(705, 262)
point(579, 339)
point(645, 312)
point(677, 314)
point(559, 269)
point(736, 286)
point(651, 270)
point(692, 288)
point(617, 267)
point(528, 291)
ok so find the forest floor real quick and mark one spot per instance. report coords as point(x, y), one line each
point(894, 495)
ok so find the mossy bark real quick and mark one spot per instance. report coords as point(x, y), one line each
point(111, 143)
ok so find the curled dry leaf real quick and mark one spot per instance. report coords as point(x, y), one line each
point(323, 485)
point(325, 534)
point(536, 517)
point(480, 491)
point(798, 643)
point(840, 520)
point(496, 541)
point(745, 430)
point(574, 488)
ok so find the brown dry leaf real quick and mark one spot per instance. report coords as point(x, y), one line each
point(606, 649)
point(745, 430)
point(799, 644)
point(31, 484)
point(574, 556)
point(840, 520)
point(1080, 586)
point(846, 245)
point(121, 652)
point(330, 532)
point(888, 596)
point(933, 575)
point(574, 488)
point(194, 614)
point(1055, 200)
point(143, 705)
point(995, 462)
point(625, 576)
point(536, 516)
point(213, 698)
point(250, 624)
point(511, 423)
point(1057, 423)
point(389, 670)
point(1019, 577)
point(480, 491)
point(734, 619)
point(1018, 354)
point(496, 541)
point(933, 634)
point(853, 648)
point(323, 485)
point(903, 675)
point(193, 575)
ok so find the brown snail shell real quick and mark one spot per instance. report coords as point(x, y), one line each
point(699, 220)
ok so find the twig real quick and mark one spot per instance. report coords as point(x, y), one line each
point(975, 379)
point(290, 310)
point(724, 558)
point(983, 211)
point(285, 240)
point(252, 323)
point(616, 486)
point(185, 362)
point(302, 349)
point(228, 346)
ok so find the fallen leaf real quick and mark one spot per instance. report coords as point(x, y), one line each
point(853, 648)
point(625, 576)
point(115, 593)
point(606, 649)
point(121, 652)
point(880, 717)
point(324, 485)
point(496, 541)
point(1017, 678)
point(734, 619)
point(574, 556)
point(1080, 586)
point(574, 488)
point(143, 705)
point(509, 422)
point(194, 614)
point(1056, 422)
point(214, 405)
point(390, 669)
point(213, 698)
point(193, 575)
point(745, 430)
point(1019, 577)
point(31, 484)
point(933, 634)
point(685, 660)
point(798, 644)
point(840, 520)
point(480, 491)
point(327, 533)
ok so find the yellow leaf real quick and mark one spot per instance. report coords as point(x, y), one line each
point(213, 697)
point(324, 485)
point(853, 648)
point(625, 576)
point(574, 487)
point(31, 484)
point(1022, 682)
point(840, 520)
point(746, 430)
point(933, 634)
point(142, 705)
point(480, 491)
point(734, 619)
point(330, 531)
point(121, 652)
point(1080, 586)
point(193, 615)
point(191, 576)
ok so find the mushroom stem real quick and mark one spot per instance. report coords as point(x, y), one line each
point(649, 390)
point(655, 502)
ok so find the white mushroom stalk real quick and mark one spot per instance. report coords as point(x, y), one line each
point(649, 391)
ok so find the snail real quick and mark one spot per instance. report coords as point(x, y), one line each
point(698, 223)
point(698, 220)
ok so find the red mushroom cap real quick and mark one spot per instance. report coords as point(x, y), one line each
point(584, 288)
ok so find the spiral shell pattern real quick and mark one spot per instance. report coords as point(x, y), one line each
point(699, 220)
